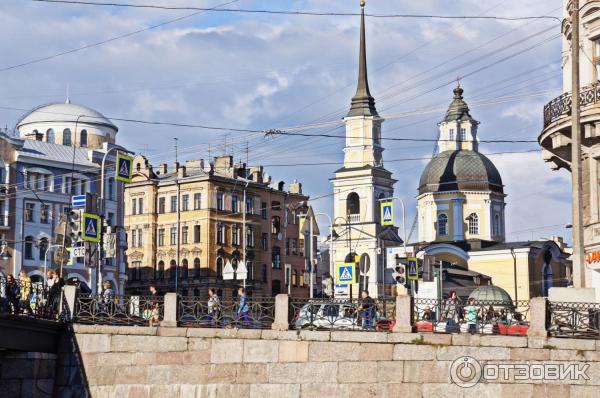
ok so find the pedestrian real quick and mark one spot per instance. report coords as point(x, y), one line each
point(13, 294)
point(471, 315)
point(427, 314)
point(55, 284)
point(154, 316)
point(107, 296)
point(25, 282)
point(214, 306)
point(242, 307)
point(366, 310)
point(452, 313)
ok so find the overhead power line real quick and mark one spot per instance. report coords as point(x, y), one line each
point(290, 12)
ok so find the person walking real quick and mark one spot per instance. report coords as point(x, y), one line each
point(452, 313)
point(154, 316)
point(25, 283)
point(214, 306)
point(55, 284)
point(366, 310)
point(107, 296)
point(471, 315)
point(243, 307)
point(13, 294)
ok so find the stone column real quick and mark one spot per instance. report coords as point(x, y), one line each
point(490, 224)
point(538, 312)
point(281, 321)
point(404, 314)
point(170, 311)
point(457, 219)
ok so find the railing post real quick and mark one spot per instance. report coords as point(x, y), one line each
point(404, 314)
point(281, 321)
point(70, 293)
point(170, 311)
point(538, 307)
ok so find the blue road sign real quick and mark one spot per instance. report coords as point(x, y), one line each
point(91, 227)
point(78, 201)
point(412, 269)
point(124, 171)
point(344, 274)
point(387, 213)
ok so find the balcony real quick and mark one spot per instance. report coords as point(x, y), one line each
point(561, 106)
point(353, 218)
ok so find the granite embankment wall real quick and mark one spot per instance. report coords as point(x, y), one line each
point(180, 362)
point(27, 374)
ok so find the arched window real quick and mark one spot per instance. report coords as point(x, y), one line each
point(451, 135)
point(220, 266)
point(497, 228)
point(172, 270)
point(442, 225)
point(161, 270)
point(353, 204)
point(29, 248)
point(196, 268)
point(50, 136)
point(473, 220)
point(67, 137)
point(138, 167)
point(83, 138)
point(547, 274)
point(184, 269)
point(43, 246)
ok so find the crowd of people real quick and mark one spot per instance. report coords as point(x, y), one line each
point(21, 296)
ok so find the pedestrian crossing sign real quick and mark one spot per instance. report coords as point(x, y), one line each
point(124, 171)
point(412, 270)
point(387, 213)
point(345, 274)
point(91, 227)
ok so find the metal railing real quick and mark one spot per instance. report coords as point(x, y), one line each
point(561, 105)
point(353, 218)
point(343, 314)
point(29, 299)
point(118, 310)
point(257, 313)
point(576, 320)
point(482, 317)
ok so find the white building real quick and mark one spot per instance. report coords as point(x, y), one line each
point(57, 154)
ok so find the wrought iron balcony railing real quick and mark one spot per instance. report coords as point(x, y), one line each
point(561, 105)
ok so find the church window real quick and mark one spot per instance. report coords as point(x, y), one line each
point(67, 137)
point(463, 134)
point(497, 225)
point(353, 203)
point(473, 220)
point(83, 139)
point(442, 225)
point(451, 134)
point(50, 136)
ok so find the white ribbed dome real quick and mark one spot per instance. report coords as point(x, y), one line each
point(65, 112)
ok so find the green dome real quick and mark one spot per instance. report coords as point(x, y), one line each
point(491, 293)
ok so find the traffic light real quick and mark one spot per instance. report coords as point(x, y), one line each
point(400, 270)
point(74, 225)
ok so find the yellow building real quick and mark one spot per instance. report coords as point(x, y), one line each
point(461, 213)
point(185, 225)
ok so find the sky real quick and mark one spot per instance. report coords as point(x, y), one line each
point(263, 71)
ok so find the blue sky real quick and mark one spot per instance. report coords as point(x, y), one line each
point(263, 71)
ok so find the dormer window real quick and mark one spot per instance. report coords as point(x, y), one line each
point(463, 134)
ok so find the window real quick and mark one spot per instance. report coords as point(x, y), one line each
point(29, 208)
point(235, 235)
point(140, 241)
point(263, 210)
point(196, 233)
point(196, 268)
point(263, 274)
point(44, 214)
point(463, 134)
point(173, 204)
point(234, 203)
point(220, 234)
point(197, 201)
point(160, 272)
point(184, 235)
point(219, 200)
point(275, 205)
point(136, 270)
point(288, 216)
point(173, 236)
point(596, 59)
point(276, 257)
point(275, 225)
point(249, 205)
point(172, 270)
point(50, 136)
point(442, 225)
point(295, 247)
point(219, 267)
point(497, 228)
point(133, 207)
point(42, 248)
point(83, 138)
point(451, 135)
point(161, 205)
point(185, 202)
point(67, 137)
point(264, 242)
point(184, 269)
point(249, 237)
point(140, 208)
point(134, 238)
point(111, 188)
point(353, 204)
point(295, 278)
point(161, 237)
point(29, 248)
point(473, 220)
point(287, 246)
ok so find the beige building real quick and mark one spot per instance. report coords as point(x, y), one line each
point(185, 224)
point(555, 138)
point(461, 213)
